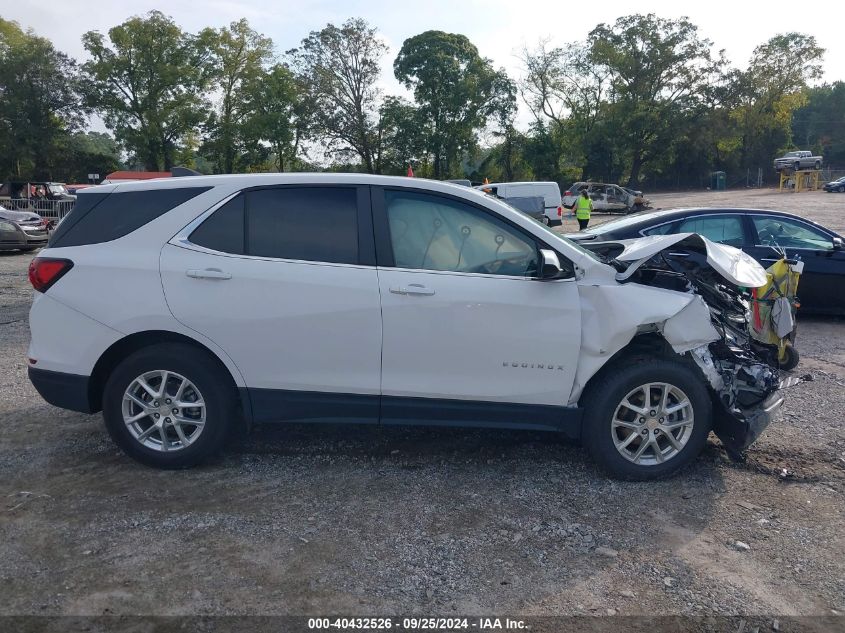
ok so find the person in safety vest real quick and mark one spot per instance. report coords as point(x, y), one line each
point(583, 206)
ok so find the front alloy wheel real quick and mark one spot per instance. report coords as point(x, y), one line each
point(652, 424)
point(646, 417)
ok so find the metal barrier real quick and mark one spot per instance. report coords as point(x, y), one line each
point(48, 209)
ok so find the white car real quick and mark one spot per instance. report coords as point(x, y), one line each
point(606, 198)
point(183, 307)
point(549, 191)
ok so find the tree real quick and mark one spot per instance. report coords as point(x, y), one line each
point(340, 67)
point(238, 55)
point(770, 90)
point(280, 114)
point(659, 69)
point(147, 81)
point(820, 123)
point(402, 138)
point(456, 90)
point(86, 153)
point(39, 103)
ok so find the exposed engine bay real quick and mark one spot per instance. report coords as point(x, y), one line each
point(713, 331)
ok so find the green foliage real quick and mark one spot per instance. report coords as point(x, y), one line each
point(236, 57)
point(660, 73)
point(281, 115)
point(39, 103)
point(147, 80)
point(456, 90)
point(86, 153)
point(644, 99)
point(339, 66)
point(819, 124)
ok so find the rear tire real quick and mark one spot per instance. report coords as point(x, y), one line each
point(206, 405)
point(818, 165)
point(613, 432)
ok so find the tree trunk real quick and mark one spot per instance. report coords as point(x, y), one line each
point(636, 166)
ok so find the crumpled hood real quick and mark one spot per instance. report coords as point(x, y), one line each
point(737, 267)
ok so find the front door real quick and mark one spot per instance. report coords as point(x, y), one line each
point(283, 280)
point(470, 333)
point(822, 284)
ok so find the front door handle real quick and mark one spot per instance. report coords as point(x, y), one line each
point(412, 289)
point(208, 273)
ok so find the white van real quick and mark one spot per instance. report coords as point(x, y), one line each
point(549, 191)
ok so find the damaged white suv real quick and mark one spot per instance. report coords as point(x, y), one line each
point(184, 307)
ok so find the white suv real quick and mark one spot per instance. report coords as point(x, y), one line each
point(186, 306)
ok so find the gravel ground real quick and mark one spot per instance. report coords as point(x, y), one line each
point(349, 520)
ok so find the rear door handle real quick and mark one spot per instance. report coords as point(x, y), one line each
point(208, 273)
point(412, 289)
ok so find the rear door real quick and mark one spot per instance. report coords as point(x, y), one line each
point(724, 228)
point(283, 280)
point(470, 333)
point(822, 284)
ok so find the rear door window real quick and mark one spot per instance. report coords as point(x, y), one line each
point(317, 224)
point(725, 229)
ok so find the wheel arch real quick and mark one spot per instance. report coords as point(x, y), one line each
point(644, 345)
point(131, 343)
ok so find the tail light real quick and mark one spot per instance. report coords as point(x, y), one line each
point(568, 193)
point(44, 272)
point(560, 212)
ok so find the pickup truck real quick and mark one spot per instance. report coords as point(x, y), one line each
point(798, 160)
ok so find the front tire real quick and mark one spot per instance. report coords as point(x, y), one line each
point(646, 419)
point(169, 405)
point(841, 189)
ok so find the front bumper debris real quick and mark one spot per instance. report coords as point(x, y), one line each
point(739, 427)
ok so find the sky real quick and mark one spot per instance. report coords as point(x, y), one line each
point(499, 28)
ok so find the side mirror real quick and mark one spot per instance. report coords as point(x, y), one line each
point(550, 265)
point(838, 245)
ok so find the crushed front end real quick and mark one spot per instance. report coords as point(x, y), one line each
point(741, 371)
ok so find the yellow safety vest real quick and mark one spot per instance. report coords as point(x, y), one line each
point(582, 211)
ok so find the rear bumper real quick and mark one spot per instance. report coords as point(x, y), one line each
point(66, 391)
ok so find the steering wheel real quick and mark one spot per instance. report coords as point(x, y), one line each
point(518, 264)
point(767, 236)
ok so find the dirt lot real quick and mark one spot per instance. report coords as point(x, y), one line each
point(348, 520)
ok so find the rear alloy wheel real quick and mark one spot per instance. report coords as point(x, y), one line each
point(163, 410)
point(169, 405)
point(646, 419)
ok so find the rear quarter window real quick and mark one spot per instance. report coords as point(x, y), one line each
point(103, 217)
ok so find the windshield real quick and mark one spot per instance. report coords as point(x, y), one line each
point(623, 223)
point(57, 189)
